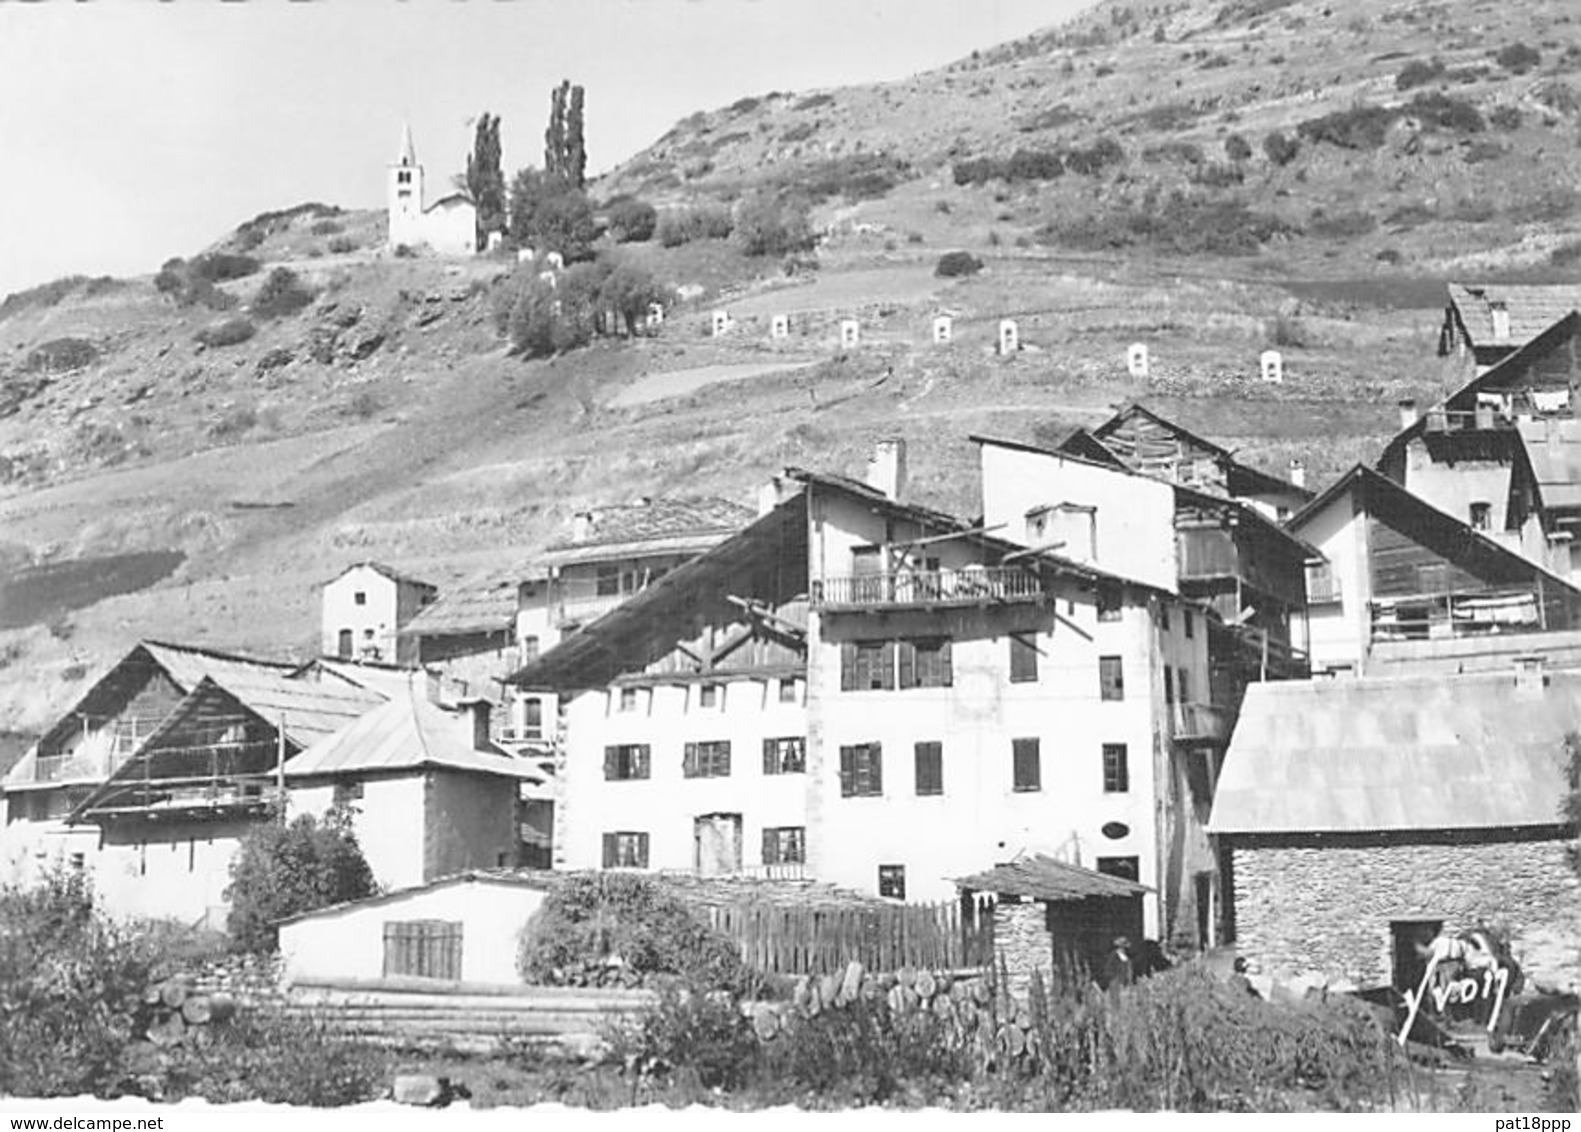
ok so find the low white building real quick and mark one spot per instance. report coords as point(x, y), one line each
point(448, 225)
point(365, 607)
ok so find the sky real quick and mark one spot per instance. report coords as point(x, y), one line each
point(133, 130)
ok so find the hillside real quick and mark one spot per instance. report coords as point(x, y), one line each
point(155, 484)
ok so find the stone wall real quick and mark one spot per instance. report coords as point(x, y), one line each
point(1326, 909)
point(1022, 941)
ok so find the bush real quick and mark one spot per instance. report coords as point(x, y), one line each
point(631, 220)
point(590, 917)
point(218, 267)
point(1340, 225)
point(813, 101)
point(281, 870)
point(281, 294)
point(767, 224)
point(800, 132)
point(1184, 225)
point(60, 355)
point(229, 332)
point(1095, 158)
point(51, 293)
point(327, 228)
point(1418, 72)
point(975, 171)
point(1505, 117)
point(1280, 148)
point(954, 264)
point(340, 245)
point(695, 1029)
point(1237, 148)
point(700, 222)
point(1034, 165)
point(269, 1056)
point(243, 418)
point(1441, 111)
point(1360, 127)
point(1518, 58)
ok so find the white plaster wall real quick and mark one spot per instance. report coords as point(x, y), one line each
point(665, 805)
point(450, 228)
point(1338, 632)
point(177, 872)
point(380, 614)
point(31, 850)
point(1136, 515)
point(348, 942)
point(388, 821)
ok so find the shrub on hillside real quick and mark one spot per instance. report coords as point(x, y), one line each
point(281, 870)
point(1034, 165)
point(340, 245)
point(1340, 225)
point(1184, 225)
point(218, 267)
point(1237, 148)
point(631, 220)
point(679, 226)
point(1095, 158)
point(861, 176)
point(1418, 72)
point(281, 294)
point(1360, 127)
point(60, 355)
point(327, 228)
point(267, 1055)
point(768, 224)
point(595, 916)
point(1518, 58)
point(228, 332)
point(1444, 112)
point(955, 264)
point(1280, 148)
point(1505, 117)
point(51, 293)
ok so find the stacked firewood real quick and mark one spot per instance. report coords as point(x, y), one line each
point(179, 1014)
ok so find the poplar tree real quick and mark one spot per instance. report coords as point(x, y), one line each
point(485, 180)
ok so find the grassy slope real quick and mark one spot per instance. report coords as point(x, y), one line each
point(440, 453)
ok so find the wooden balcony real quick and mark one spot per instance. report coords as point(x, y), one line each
point(921, 589)
point(1199, 723)
point(1445, 616)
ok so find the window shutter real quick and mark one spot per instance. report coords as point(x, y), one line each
point(642, 850)
point(1023, 658)
point(609, 850)
point(771, 846)
point(610, 762)
point(946, 665)
point(770, 757)
point(847, 771)
point(886, 665)
point(908, 660)
point(689, 761)
point(875, 755)
point(847, 666)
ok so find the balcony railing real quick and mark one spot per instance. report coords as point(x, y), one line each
point(1199, 723)
point(789, 871)
point(1440, 616)
point(971, 585)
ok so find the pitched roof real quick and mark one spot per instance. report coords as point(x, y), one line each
point(389, 572)
point(482, 605)
point(541, 879)
point(1043, 878)
point(1418, 753)
point(652, 526)
point(1249, 477)
point(385, 679)
point(1532, 308)
point(1553, 448)
point(407, 733)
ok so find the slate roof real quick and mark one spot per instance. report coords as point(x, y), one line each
point(652, 526)
point(481, 605)
point(1411, 753)
point(1041, 877)
point(1533, 308)
point(1553, 447)
point(407, 733)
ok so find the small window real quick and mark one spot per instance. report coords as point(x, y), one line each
point(1110, 597)
point(1190, 622)
point(1163, 616)
point(785, 845)
point(367, 634)
point(892, 881)
point(1126, 867)
point(626, 762)
point(1169, 685)
point(346, 793)
point(1116, 769)
point(529, 649)
point(788, 691)
point(607, 581)
point(1481, 516)
point(1028, 765)
point(707, 760)
point(343, 644)
point(861, 770)
point(426, 949)
point(785, 756)
point(359, 598)
point(1023, 658)
point(1111, 678)
point(625, 850)
point(532, 718)
point(708, 696)
point(930, 767)
point(628, 699)
point(1183, 685)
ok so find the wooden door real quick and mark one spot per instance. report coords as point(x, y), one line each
point(717, 840)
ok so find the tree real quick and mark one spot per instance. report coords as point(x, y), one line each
point(485, 181)
point(282, 870)
point(631, 220)
point(629, 291)
point(564, 141)
point(767, 225)
point(549, 216)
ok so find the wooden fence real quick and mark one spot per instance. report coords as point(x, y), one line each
point(795, 940)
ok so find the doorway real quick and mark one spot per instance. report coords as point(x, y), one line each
point(717, 844)
point(1410, 940)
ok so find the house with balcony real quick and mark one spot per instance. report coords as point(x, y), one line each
point(1503, 452)
point(365, 607)
point(1399, 585)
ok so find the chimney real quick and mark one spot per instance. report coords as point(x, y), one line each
point(582, 524)
point(433, 686)
point(772, 494)
point(482, 712)
point(1501, 321)
point(1298, 473)
point(1530, 676)
point(886, 468)
point(1407, 413)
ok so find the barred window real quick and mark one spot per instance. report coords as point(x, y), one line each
point(1116, 769)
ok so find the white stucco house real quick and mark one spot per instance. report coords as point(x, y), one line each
point(365, 607)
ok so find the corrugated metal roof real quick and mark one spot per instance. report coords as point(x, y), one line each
point(1041, 877)
point(1533, 308)
point(481, 605)
point(1369, 755)
point(407, 733)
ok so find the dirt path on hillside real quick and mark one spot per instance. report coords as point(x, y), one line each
point(678, 383)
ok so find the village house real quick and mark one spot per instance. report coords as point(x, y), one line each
point(365, 607)
point(1503, 452)
point(1484, 323)
point(429, 791)
point(1361, 816)
point(448, 225)
point(1400, 584)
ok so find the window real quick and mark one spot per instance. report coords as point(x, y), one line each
point(428, 949)
point(785, 845)
point(1023, 658)
point(628, 699)
point(788, 691)
point(343, 644)
point(1481, 516)
point(866, 665)
point(625, 850)
point(1028, 765)
point(359, 598)
point(1126, 867)
point(707, 760)
point(1116, 769)
point(1191, 628)
point(1183, 685)
point(347, 792)
point(708, 696)
point(1163, 616)
point(532, 718)
point(1110, 597)
point(367, 634)
point(626, 762)
point(861, 770)
point(529, 649)
point(1111, 678)
point(930, 768)
point(1169, 685)
point(607, 581)
point(925, 663)
point(785, 756)
point(892, 881)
